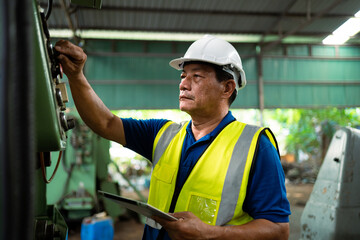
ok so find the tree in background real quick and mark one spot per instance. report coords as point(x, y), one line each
point(311, 130)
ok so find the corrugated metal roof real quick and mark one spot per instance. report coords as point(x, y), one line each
point(264, 17)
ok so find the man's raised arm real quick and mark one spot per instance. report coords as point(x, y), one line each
point(90, 107)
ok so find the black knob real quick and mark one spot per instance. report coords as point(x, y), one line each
point(50, 48)
point(56, 69)
point(59, 99)
point(63, 121)
point(70, 123)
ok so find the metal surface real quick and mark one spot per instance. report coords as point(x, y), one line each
point(17, 148)
point(271, 22)
point(304, 24)
point(333, 210)
point(265, 18)
point(278, 22)
point(128, 75)
point(88, 3)
point(50, 226)
point(260, 78)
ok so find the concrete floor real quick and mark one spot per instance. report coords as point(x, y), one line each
point(298, 196)
point(129, 229)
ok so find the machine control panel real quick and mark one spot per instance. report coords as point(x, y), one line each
point(51, 94)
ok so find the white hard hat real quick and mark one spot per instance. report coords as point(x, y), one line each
point(216, 51)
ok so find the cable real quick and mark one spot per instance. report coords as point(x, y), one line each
point(49, 9)
point(42, 162)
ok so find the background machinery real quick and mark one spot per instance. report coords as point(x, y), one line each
point(333, 210)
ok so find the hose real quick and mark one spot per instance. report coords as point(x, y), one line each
point(42, 162)
point(49, 9)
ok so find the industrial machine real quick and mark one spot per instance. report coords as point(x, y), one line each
point(333, 210)
point(43, 164)
point(51, 125)
point(81, 157)
point(83, 170)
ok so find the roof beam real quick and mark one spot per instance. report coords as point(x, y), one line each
point(276, 24)
point(69, 21)
point(305, 24)
point(189, 30)
point(207, 12)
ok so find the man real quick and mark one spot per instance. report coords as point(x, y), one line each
point(221, 178)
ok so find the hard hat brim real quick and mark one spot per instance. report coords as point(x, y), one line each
point(178, 62)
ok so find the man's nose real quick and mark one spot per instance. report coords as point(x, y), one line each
point(184, 84)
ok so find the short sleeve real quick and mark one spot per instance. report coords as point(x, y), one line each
point(140, 134)
point(266, 192)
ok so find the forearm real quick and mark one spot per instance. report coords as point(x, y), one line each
point(90, 107)
point(256, 229)
point(191, 227)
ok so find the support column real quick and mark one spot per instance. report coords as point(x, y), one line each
point(260, 79)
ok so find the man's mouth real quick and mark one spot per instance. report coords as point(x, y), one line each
point(185, 97)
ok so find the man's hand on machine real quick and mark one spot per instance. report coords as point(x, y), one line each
point(71, 57)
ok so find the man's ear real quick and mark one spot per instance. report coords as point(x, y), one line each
point(229, 88)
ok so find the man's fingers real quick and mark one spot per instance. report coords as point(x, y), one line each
point(182, 215)
point(160, 220)
point(64, 60)
point(72, 51)
point(71, 57)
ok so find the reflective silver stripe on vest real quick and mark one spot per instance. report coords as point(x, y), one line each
point(165, 139)
point(234, 175)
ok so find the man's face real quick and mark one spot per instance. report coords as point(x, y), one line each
point(200, 92)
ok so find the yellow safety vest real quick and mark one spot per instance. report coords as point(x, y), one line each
point(216, 187)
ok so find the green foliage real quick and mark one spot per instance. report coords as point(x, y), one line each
point(307, 128)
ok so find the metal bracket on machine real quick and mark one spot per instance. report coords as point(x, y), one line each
point(51, 226)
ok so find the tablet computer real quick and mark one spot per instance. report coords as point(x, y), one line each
point(137, 206)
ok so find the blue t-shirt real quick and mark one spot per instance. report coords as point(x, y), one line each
point(266, 195)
